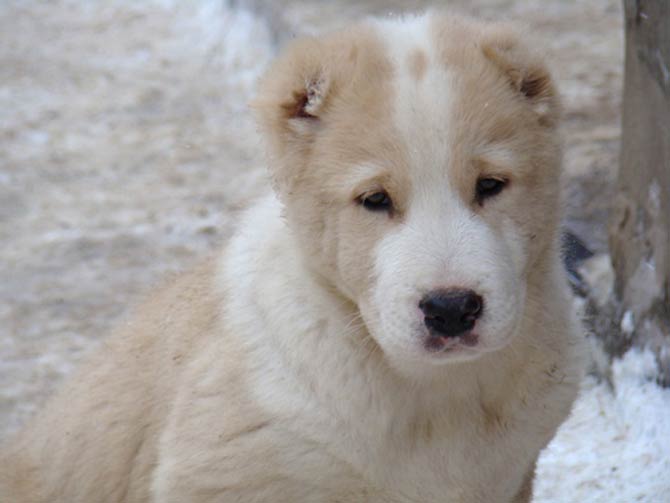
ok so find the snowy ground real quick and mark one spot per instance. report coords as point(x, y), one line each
point(126, 149)
point(615, 447)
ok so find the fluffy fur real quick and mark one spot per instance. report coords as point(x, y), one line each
point(292, 368)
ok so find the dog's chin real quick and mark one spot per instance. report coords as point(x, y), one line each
point(441, 350)
point(423, 353)
point(463, 348)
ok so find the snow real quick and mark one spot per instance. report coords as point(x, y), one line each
point(615, 447)
point(628, 323)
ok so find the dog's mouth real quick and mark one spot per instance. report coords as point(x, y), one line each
point(435, 343)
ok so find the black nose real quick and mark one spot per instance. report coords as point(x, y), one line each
point(450, 313)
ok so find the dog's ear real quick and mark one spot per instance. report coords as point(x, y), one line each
point(524, 70)
point(295, 99)
point(307, 100)
point(295, 93)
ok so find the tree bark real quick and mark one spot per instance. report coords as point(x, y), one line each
point(640, 224)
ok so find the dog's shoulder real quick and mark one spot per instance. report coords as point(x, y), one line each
point(122, 392)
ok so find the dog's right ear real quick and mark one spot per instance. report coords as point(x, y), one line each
point(309, 89)
point(294, 94)
point(307, 100)
point(294, 100)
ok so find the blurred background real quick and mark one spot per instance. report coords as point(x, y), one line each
point(126, 149)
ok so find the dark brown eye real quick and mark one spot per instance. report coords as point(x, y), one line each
point(489, 187)
point(379, 201)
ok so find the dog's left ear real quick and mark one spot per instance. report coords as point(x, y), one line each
point(524, 70)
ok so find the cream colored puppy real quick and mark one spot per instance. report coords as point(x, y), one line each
point(394, 326)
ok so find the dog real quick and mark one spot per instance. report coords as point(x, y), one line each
point(391, 324)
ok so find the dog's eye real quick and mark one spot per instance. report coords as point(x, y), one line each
point(379, 201)
point(489, 187)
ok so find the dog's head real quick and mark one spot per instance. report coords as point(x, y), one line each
point(418, 164)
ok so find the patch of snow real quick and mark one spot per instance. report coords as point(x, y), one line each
point(628, 323)
point(615, 447)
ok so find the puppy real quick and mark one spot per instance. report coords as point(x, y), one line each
point(393, 325)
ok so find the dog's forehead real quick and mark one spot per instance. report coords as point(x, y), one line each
point(421, 82)
point(435, 66)
point(423, 90)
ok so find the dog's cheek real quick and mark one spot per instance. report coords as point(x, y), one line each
point(352, 242)
point(533, 232)
point(517, 242)
point(397, 324)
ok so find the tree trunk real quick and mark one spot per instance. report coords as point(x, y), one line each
point(640, 225)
